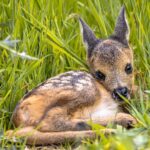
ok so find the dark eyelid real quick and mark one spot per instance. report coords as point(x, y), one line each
point(128, 68)
point(99, 75)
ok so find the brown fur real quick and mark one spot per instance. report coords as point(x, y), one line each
point(110, 57)
point(58, 109)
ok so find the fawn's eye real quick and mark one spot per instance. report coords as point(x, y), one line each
point(99, 75)
point(128, 69)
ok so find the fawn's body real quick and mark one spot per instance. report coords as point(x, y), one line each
point(61, 107)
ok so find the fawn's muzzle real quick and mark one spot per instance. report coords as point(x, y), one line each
point(120, 91)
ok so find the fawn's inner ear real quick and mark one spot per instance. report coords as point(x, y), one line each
point(121, 32)
point(89, 37)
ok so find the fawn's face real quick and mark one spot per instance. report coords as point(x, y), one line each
point(111, 60)
point(111, 63)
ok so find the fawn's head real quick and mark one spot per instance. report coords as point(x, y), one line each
point(111, 60)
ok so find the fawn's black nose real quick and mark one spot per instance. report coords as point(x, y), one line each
point(120, 91)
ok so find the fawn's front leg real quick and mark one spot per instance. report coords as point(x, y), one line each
point(123, 119)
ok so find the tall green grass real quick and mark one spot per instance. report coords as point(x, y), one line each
point(49, 36)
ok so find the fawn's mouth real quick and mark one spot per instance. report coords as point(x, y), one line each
point(120, 98)
point(121, 94)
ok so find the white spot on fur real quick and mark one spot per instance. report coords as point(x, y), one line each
point(65, 81)
point(66, 78)
point(79, 86)
point(76, 73)
point(87, 78)
point(83, 81)
point(89, 82)
point(60, 85)
point(46, 86)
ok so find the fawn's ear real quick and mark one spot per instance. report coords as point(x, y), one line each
point(121, 32)
point(89, 37)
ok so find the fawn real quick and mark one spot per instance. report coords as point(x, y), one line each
point(59, 109)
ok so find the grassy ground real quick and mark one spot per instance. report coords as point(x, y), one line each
point(48, 31)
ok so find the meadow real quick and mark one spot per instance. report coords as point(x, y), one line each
point(41, 38)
